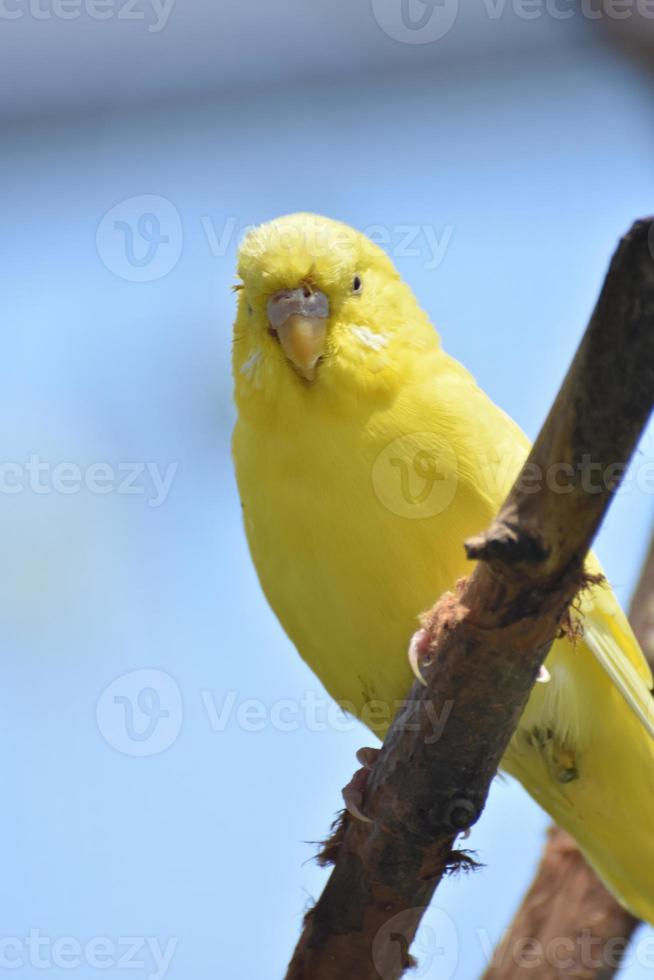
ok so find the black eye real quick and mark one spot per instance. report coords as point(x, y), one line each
point(250, 310)
point(357, 284)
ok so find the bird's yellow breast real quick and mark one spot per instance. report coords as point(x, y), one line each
point(356, 524)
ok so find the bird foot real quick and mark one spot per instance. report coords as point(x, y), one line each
point(353, 793)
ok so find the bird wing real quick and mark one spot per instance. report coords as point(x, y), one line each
point(607, 631)
point(610, 638)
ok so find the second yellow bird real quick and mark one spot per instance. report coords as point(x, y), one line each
point(365, 456)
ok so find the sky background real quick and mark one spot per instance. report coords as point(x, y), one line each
point(168, 757)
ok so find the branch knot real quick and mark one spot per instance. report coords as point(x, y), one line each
point(508, 543)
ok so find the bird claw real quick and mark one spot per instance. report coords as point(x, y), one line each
point(418, 648)
point(354, 792)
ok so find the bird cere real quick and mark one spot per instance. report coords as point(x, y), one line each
point(360, 448)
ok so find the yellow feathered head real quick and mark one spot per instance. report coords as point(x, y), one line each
point(321, 309)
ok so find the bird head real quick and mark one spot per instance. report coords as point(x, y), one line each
point(320, 308)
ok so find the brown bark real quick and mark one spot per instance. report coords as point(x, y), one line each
point(574, 926)
point(487, 644)
point(568, 926)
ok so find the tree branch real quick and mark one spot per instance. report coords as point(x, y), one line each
point(567, 912)
point(486, 645)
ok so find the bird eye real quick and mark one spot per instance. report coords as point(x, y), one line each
point(357, 284)
point(250, 310)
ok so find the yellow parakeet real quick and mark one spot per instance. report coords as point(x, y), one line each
point(365, 456)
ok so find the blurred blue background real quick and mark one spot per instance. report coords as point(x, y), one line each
point(167, 757)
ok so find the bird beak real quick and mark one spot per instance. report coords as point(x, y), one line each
point(299, 318)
